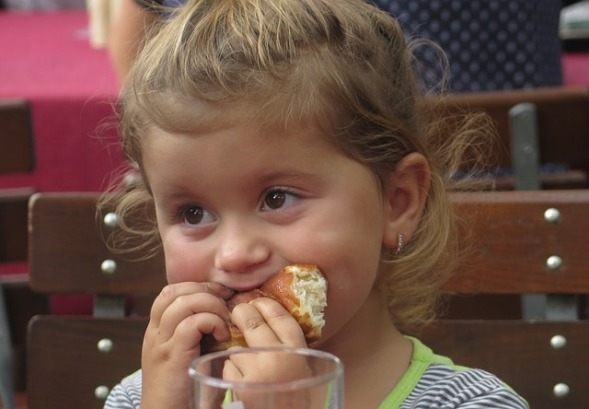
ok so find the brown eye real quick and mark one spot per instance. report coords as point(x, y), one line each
point(193, 215)
point(275, 200)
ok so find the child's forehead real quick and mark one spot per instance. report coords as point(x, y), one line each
point(219, 130)
point(252, 152)
point(196, 117)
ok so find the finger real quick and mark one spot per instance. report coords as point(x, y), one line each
point(186, 307)
point(188, 334)
point(284, 325)
point(231, 372)
point(171, 292)
point(264, 322)
point(186, 337)
point(266, 366)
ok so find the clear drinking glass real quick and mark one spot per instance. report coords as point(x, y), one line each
point(276, 377)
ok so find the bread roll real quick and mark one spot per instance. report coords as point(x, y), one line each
point(300, 288)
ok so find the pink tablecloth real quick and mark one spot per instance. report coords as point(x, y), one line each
point(575, 68)
point(46, 58)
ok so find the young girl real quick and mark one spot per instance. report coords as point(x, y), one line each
point(271, 132)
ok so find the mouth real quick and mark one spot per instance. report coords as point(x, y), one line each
point(242, 289)
point(242, 283)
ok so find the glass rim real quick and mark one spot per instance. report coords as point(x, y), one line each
point(290, 385)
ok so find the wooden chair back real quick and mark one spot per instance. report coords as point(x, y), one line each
point(549, 132)
point(518, 239)
point(16, 137)
point(73, 361)
point(13, 225)
point(544, 361)
point(78, 253)
point(524, 242)
point(16, 156)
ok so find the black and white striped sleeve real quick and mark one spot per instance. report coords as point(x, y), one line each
point(127, 394)
point(444, 387)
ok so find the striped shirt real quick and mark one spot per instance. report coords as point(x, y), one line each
point(431, 382)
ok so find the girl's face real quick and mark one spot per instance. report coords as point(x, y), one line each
point(235, 205)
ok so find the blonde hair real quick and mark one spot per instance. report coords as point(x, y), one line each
point(341, 64)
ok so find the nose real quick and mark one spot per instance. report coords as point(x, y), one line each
point(241, 247)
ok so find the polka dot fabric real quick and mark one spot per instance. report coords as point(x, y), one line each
point(490, 45)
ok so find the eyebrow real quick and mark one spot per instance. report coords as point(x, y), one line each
point(289, 175)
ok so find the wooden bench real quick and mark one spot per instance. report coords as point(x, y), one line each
point(17, 152)
point(543, 132)
point(73, 361)
point(525, 242)
point(17, 155)
point(544, 144)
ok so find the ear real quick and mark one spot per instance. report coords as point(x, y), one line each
point(405, 195)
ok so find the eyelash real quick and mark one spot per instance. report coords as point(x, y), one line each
point(180, 213)
point(279, 189)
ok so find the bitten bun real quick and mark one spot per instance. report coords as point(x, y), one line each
point(300, 288)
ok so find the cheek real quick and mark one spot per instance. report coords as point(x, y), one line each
point(349, 241)
point(183, 263)
point(350, 286)
point(349, 253)
point(351, 276)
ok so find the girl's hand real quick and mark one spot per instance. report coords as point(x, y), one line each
point(179, 317)
point(265, 323)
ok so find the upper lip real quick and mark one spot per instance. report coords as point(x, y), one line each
point(241, 283)
point(244, 287)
